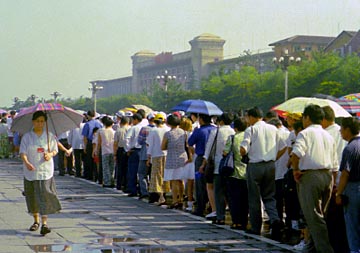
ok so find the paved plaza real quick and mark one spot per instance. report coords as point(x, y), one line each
point(96, 219)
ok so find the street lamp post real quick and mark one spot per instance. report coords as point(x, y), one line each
point(285, 61)
point(56, 95)
point(165, 78)
point(94, 88)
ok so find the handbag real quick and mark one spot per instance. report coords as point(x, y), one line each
point(210, 165)
point(226, 167)
point(245, 159)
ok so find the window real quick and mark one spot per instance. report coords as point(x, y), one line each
point(297, 48)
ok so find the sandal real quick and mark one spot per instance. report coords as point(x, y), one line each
point(34, 226)
point(45, 229)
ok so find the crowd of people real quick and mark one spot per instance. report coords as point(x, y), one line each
point(9, 141)
point(303, 171)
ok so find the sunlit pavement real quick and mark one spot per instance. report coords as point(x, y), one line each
point(96, 219)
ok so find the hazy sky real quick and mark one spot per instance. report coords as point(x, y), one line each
point(52, 45)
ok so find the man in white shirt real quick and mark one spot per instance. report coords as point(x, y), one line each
point(313, 159)
point(76, 141)
point(260, 143)
point(132, 148)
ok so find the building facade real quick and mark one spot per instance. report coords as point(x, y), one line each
point(206, 56)
point(346, 43)
point(301, 45)
point(188, 67)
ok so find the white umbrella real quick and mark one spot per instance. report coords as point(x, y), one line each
point(298, 104)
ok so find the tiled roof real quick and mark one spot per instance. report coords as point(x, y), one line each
point(350, 33)
point(303, 39)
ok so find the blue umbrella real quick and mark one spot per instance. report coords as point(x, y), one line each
point(198, 106)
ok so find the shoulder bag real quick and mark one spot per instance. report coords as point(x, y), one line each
point(226, 167)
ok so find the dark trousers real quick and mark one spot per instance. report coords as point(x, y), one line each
point(200, 188)
point(69, 160)
point(89, 162)
point(335, 222)
point(279, 197)
point(133, 165)
point(121, 169)
point(238, 201)
point(291, 199)
point(79, 156)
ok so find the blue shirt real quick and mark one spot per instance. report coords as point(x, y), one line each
point(351, 159)
point(199, 138)
point(89, 127)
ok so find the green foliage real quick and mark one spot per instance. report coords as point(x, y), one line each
point(238, 90)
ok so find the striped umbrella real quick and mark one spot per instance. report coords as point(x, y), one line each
point(351, 106)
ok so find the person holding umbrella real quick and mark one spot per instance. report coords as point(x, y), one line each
point(37, 149)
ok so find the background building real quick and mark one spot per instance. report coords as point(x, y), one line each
point(301, 45)
point(206, 56)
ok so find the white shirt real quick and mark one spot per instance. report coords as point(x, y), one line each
point(75, 139)
point(281, 163)
point(63, 135)
point(223, 135)
point(107, 140)
point(131, 137)
point(9, 122)
point(340, 143)
point(95, 140)
point(316, 149)
point(260, 142)
point(34, 147)
point(291, 139)
point(154, 140)
point(144, 122)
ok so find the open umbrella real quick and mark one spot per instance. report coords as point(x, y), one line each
point(198, 106)
point(60, 118)
point(135, 108)
point(353, 96)
point(298, 104)
point(351, 106)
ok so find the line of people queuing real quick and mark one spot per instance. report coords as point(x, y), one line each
point(292, 172)
point(9, 141)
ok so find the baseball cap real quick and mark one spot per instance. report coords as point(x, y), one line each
point(160, 116)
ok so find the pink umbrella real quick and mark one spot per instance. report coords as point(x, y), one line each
point(60, 118)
